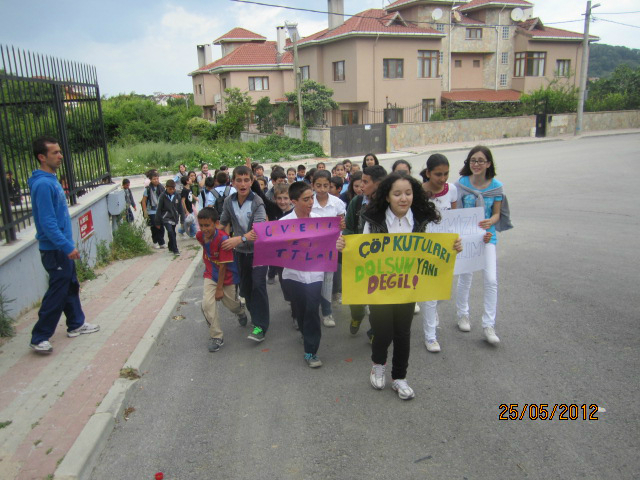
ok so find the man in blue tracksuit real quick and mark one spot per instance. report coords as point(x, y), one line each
point(57, 250)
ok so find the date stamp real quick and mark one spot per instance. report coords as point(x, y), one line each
point(543, 411)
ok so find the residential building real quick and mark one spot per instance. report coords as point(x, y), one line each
point(249, 62)
point(399, 63)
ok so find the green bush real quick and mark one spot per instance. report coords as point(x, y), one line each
point(129, 241)
point(6, 321)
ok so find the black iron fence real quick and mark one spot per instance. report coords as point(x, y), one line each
point(41, 95)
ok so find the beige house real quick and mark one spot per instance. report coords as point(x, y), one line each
point(398, 64)
point(249, 62)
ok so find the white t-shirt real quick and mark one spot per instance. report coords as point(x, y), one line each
point(446, 197)
point(297, 275)
point(394, 224)
point(334, 207)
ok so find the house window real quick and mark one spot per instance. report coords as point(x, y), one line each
point(440, 27)
point(563, 68)
point(349, 117)
point(428, 108)
point(505, 33)
point(224, 84)
point(258, 83)
point(441, 55)
point(338, 71)
point(457, 63)
point(428, 63)
point(476, 64)
point(393, 115)
point(503, 79)
point(200, 88)
point(505, 58)
point(474, 33)
point(393, 68)
point(304, 72)
point(530, 64)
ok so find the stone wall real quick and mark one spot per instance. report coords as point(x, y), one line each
point(319, 135)
point(593, 122)
point(406, 135)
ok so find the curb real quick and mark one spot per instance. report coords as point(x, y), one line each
point(81, 458)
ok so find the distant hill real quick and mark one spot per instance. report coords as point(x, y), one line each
point(603, 59)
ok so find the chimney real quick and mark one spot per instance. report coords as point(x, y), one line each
point(204, 55)
point(336, 13)
point(280, 39)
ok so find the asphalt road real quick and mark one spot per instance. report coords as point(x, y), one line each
point(568, 319)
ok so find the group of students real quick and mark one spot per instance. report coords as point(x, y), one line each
point(377, 203)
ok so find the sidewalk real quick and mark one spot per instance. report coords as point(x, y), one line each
point(62, 406)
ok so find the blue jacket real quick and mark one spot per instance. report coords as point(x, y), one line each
point(50, 213)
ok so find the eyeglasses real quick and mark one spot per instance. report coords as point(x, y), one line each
point(477, 162)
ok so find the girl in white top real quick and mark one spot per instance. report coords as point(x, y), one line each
point(400, 205)
point(444, 196)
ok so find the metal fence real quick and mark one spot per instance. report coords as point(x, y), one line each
point(41, 95)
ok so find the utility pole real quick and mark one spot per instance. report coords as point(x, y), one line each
point(292, 29)
point(584, 67)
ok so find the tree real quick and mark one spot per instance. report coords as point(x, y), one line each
point(234, 120)
point(264, 115)
point(618, 91)
point(554, 98)
point(316, 99)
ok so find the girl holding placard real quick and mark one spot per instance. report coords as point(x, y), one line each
point(400, 205)
point(478, 187)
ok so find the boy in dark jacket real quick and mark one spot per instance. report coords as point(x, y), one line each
point(168, 214)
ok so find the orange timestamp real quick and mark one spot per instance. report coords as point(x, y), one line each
point(543, 411)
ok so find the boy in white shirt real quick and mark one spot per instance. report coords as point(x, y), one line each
point(305, 288)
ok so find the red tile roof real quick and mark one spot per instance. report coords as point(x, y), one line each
point(250, 54)
point(481, 96)
point(538, 31)
point(477, 4)
point(464, 19)
point(406, 3)
point(239, 34)
point(370, 22)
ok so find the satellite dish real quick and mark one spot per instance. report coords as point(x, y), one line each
point(517, 14)
point(436, 14)
point(456, 16)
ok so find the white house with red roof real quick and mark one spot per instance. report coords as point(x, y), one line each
point(413, 53)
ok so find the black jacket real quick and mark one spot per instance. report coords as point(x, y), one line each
point(168, 210)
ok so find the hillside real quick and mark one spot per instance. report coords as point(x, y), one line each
point(603, 59)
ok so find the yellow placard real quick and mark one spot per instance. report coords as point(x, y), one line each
point(379, 269)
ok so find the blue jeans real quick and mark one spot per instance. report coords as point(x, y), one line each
point(61, 296)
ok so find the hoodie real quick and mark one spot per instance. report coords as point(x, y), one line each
point(50, 213)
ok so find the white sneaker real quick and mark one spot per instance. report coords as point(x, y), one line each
point(377, 376)
point(84, 328)
point(405, 392)
point(328, 321)
point(463, 324)
point(490, 335)
point(416, 309)
point(42, 347)
point(432, 346)
point(156, 246)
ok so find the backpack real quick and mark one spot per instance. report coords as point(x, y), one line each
point(219, 202)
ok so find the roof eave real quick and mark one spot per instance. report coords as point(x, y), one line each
point(310, 43)
point(237, 68)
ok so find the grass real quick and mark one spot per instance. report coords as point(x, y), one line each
point(135, 159)
point(129, 373)
point(5, 424)
point(6, 321)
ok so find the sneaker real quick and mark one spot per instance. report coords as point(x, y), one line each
point(312, 360)
point(377, 376)
point(161, 246)
point(328, 321)
point(42, 347)
point(355, 326)
point(337, 298)
point(370, 335)
point(405, 392)
point(156, 246)
point(463, 323)
point(215, 344)
point(257, 335)
point(490, 335)
point(242, 319)
point(176, 253)
point(416, 309)
point(85, 328)
point(271, 281)
point(432, 346)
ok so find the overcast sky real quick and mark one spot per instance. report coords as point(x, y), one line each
point(148, 46)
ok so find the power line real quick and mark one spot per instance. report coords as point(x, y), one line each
point(470, 25)
point(619, 23)
point(617, 13)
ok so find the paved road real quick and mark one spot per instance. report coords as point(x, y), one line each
point(568, 321)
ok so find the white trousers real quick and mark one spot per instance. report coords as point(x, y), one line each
point(490, 289)
point(430, 320)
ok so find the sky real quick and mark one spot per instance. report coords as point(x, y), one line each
point(148, 46)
